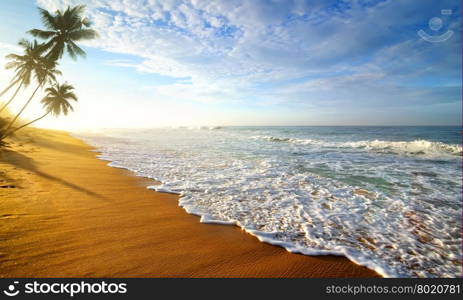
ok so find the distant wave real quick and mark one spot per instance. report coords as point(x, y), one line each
point(289, 140)
point(210, 127)
point(417, 147)
point(197, 127)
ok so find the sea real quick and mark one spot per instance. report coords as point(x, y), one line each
point(388, 198)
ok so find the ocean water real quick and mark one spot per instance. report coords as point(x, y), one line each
point(388, 198)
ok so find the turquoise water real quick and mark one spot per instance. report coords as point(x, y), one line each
point(385, 197)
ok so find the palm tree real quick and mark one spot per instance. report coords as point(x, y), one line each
point(63, 29)
point(44, 72)
point(57, 99)
point(56, 102)
point(23, 65)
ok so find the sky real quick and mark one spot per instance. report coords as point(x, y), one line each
point(253, 62)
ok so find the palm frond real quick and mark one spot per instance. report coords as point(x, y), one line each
point(56, 47)
point(11, 65)
point(76, 50)
point(13, 56)
point(47, 19)
point(71, 52)
point(25, 44)
point(43, 34)
point(83, 34)
point(77, 10)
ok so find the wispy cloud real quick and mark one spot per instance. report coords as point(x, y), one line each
point(282, 51)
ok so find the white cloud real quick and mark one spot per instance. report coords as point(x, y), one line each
point(228, 48)
point(211, 39)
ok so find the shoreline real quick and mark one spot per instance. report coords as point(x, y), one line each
point(66, 213)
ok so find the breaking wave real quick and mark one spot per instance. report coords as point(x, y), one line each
point(416, 147)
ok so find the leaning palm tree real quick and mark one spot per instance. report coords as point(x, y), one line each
point(63, 29)
point(44, 72)
point(56, 102)
point(23, 66)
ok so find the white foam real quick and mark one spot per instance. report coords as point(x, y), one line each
point(394, 214)
point(416, 147)
point(163, 190)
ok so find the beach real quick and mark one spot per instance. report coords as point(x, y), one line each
point(65, 213)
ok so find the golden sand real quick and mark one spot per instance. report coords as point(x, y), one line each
point(64, 213)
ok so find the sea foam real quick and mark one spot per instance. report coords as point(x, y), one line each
point(392, 206)
point(416, 147)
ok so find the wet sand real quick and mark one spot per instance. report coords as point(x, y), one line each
point(65, 213)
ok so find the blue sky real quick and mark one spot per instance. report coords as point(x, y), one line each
point(231, 62)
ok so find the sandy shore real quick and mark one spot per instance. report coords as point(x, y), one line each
point(64, 213)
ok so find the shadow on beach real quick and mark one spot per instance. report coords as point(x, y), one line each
point(16, 159)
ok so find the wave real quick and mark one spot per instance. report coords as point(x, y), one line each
point(289, 140)
point(196, 127)
point(211, 127)
point(390, 230)
point(416, 147)
point(204, 127)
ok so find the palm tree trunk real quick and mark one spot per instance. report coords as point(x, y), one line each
point(14, 95)
point(9, 87)
point(20, 112)
point(27, 124)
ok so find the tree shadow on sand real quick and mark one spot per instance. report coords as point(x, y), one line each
point(49, 140)
point(21, 161)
